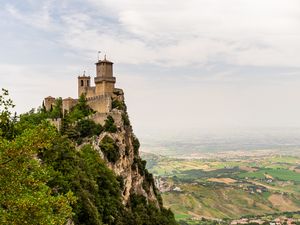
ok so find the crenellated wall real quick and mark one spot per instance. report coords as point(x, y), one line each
point(100, 103)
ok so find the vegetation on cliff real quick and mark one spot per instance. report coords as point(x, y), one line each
point(50, 177)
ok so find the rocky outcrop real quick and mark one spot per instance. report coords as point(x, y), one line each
point(125, 161)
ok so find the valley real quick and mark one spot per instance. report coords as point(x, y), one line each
point(219, 188)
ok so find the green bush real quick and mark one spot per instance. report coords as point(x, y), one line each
point(147, 214)
point(116, 104)
point(109, 149)
point(88, 128)
point(136, 145)
point(125, 119)
point(56, 111)
point(109, 125)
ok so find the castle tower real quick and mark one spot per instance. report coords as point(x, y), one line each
point(49, 103)
point(84, 83)
point(105, 82)
point(68, 104)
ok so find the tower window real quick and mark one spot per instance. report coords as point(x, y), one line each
point(81, 83)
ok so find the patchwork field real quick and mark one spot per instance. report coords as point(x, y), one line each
point(227, 189)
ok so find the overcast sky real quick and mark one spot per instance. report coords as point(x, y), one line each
point(201, 64)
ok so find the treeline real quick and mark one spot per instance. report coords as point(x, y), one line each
point(46, 178)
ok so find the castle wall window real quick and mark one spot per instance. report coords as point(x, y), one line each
point(81, 83)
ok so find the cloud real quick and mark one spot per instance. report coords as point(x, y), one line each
point(182, 33)
point(174, 33)
point(39, 18)
point(201, 63)
point(29, 84)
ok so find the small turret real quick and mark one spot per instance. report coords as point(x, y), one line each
point(84, 82)
point(49, 103)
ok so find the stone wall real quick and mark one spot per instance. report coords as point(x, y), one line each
point(56, 122)
point(100, 103)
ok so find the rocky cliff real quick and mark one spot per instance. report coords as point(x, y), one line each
point(97, 158)
point(119, 147)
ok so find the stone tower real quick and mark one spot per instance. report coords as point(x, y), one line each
point(84, 83)
point(49, 103)
point(104, 80)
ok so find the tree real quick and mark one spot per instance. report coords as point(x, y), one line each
point(25, 196)
point(57, 109)
point(79, 111)
point(6, 124)
point(109, 125)
point(110, 149)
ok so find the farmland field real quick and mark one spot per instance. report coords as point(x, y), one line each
point(228, 188)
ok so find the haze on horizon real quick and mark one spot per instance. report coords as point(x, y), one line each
point(184, 65)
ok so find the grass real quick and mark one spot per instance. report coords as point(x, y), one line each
point(182, 216)
point(280, 174)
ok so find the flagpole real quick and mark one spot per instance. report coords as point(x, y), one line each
point(98, 55)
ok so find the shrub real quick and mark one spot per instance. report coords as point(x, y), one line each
point(110, 149)
point(147, 213)
point(88, 128)
point(109, 125)
point(125, 119)
point(136, 145)
point(116, 104)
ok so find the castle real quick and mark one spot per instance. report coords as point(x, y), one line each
point(106, 100)
point(99, 97)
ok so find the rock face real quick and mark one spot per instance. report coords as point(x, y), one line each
point(125, 162)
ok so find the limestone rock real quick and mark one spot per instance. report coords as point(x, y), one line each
point(129, 165)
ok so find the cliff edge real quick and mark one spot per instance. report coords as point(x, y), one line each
point(119, 147)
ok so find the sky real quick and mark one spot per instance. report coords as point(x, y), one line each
point(194, 64)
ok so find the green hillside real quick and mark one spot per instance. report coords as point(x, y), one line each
point(58, 177)
point(228, 189)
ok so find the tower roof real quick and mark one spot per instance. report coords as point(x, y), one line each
point(104, 61)
point(84, 76)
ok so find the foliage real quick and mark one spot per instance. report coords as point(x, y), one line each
point(79, 111)
point(109, 149)
point(57, 112)
point(109, 125)
point(75, 124)
point(88, 128)
point(136, 145)
point(125, 119)
point(116, 104)
point(86, 174)
point(97, 189)
point(45, 179)
point(31, 119)
point(25, 197)
point(82, 129)
point(148, 214)
point(6, 122)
